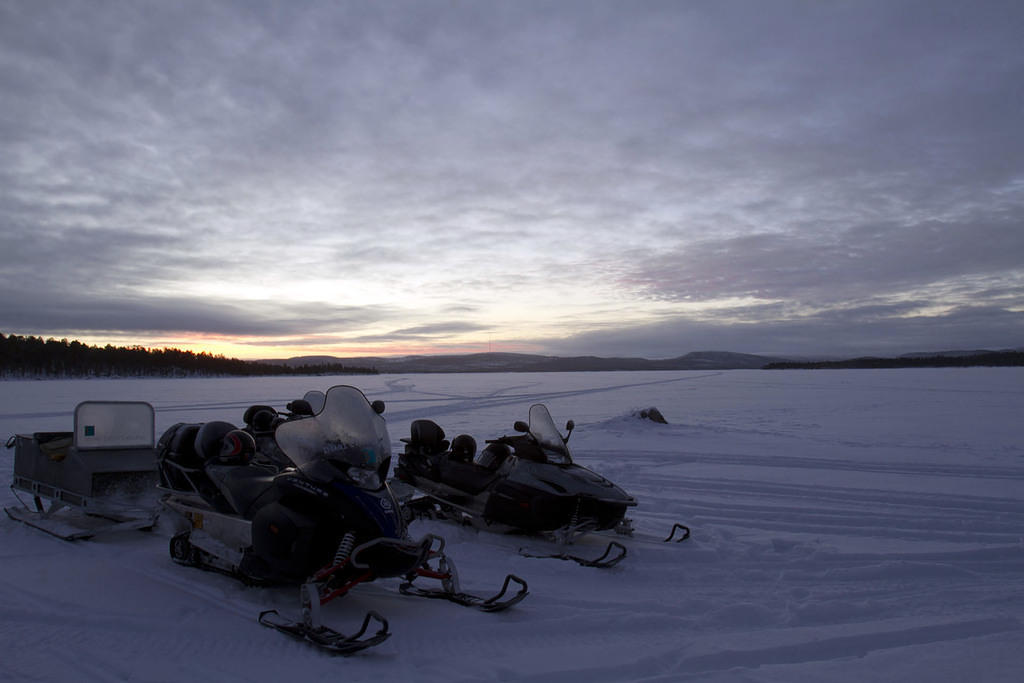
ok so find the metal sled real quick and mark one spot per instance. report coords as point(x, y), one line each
point(101, 477)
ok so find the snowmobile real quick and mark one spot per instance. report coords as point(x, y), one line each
point(302, 499)
point(527, 482)
point(98, 478)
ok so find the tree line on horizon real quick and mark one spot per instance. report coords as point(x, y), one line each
point(988, 359)
point(29, 357)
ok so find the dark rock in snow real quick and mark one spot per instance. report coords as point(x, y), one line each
point(652, 414)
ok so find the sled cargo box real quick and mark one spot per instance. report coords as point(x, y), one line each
point(106, 467)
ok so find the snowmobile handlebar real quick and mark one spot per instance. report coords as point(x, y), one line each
point(521, 426)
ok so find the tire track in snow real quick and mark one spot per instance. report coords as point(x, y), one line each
point(499, 399)
point(450, 402)
point(741, 499)
point(844, 646)
point(650, 459)
point(661, 482)
point(681, 662)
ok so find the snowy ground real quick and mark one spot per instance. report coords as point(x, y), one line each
point(847, 526)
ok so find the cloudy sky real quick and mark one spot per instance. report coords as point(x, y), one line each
point(269, 179)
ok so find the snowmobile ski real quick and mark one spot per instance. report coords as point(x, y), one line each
point(626, 528)
point(678, 527)
point(326, 638)
point(613, 554)
point(450, 590)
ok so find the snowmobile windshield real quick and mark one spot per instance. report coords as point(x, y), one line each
point(543, 429)
point(347, 435)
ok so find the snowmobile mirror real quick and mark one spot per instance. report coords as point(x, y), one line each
point(378, 406)
point(521, 426)
point(569, 426)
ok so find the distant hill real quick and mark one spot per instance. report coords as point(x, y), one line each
point(523, 362)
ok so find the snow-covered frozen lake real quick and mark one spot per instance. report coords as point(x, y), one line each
point(851, 525)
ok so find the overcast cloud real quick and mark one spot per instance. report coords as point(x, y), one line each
point(570, 177)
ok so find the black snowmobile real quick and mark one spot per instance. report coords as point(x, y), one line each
point(527, 482)
point(301, 498)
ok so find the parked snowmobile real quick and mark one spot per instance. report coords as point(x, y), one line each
point(526, 482)
point(310, 506)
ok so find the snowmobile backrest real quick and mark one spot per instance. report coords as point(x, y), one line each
point(176, 455)
point(210, 437)
point(180, 467)
point(428, 436)
point(178, 444)
point(463, 448)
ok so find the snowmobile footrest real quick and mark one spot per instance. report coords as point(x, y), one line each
point(327, 639)
point(612, 555)
point(495, 603)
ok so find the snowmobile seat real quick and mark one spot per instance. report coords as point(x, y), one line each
point(466, 476)
point(244, 489)
point(493, 455)
point(269, 453)
point(427, 437)
point(54, 445)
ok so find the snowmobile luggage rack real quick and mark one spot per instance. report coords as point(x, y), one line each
point(103, 473)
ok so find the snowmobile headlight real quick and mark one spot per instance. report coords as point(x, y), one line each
point(364, 478)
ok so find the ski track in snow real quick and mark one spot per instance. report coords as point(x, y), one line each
point(847, 526)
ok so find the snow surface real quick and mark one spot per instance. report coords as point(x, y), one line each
point(851, 525)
